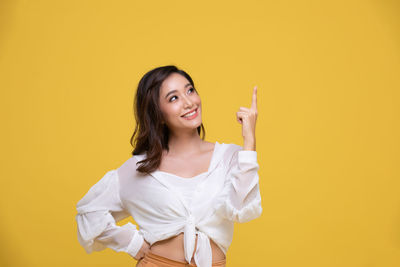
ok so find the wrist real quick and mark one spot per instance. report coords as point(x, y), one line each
point(249, 144)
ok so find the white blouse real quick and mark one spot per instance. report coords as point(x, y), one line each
point(228, 192)
point(185, 186)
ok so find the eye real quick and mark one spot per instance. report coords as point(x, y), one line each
point(190, 89)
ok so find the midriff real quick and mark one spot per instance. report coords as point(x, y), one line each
point(172, 248)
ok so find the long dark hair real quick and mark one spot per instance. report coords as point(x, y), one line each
point(151, 134)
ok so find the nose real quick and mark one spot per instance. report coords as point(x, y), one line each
point(188, 102)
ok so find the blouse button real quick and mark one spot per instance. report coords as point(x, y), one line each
point(190, 219)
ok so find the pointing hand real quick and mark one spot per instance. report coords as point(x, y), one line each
point(248, 117)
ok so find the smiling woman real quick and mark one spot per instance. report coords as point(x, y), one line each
point(180, 97)
point(184, 193)
point(164, 95)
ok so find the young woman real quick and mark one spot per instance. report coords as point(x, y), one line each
point(183, 192)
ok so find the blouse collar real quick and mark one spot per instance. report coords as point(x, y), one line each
point(215, 159)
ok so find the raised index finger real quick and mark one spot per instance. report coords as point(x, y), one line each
point(254, 98)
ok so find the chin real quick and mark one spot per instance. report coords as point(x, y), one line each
point(193, 126)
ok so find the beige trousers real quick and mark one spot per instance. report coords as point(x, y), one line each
point(154, 260)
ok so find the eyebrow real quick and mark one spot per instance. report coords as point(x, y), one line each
point(173, 91)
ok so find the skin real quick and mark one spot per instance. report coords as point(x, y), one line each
point(189, 155)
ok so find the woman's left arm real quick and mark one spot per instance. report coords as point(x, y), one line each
point(244, 165)
point(242, 199)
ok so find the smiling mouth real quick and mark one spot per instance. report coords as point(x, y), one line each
point(191, 113)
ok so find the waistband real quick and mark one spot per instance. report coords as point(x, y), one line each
point(171, 262)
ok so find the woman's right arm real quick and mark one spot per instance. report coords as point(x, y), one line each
point(98, 212)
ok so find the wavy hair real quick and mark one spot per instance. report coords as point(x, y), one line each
point(151, 135)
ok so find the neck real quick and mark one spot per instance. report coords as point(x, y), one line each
point(184, 143)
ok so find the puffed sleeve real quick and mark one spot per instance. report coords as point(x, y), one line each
point(241, 199)
point(98, 212)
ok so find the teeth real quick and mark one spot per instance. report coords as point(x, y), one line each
point(190, 114)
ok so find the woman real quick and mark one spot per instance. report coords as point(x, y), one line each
point(183, 192)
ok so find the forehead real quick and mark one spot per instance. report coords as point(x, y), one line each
point(175, 81)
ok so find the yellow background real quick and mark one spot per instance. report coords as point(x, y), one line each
point(327, 130)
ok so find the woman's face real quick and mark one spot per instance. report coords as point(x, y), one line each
point(177, 98)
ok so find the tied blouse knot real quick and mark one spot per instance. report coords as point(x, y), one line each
point(227, 193)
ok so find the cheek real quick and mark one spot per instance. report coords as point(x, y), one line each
point(172, 111)
point(197, 99)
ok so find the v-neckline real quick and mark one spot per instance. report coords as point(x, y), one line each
point(193, 177)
